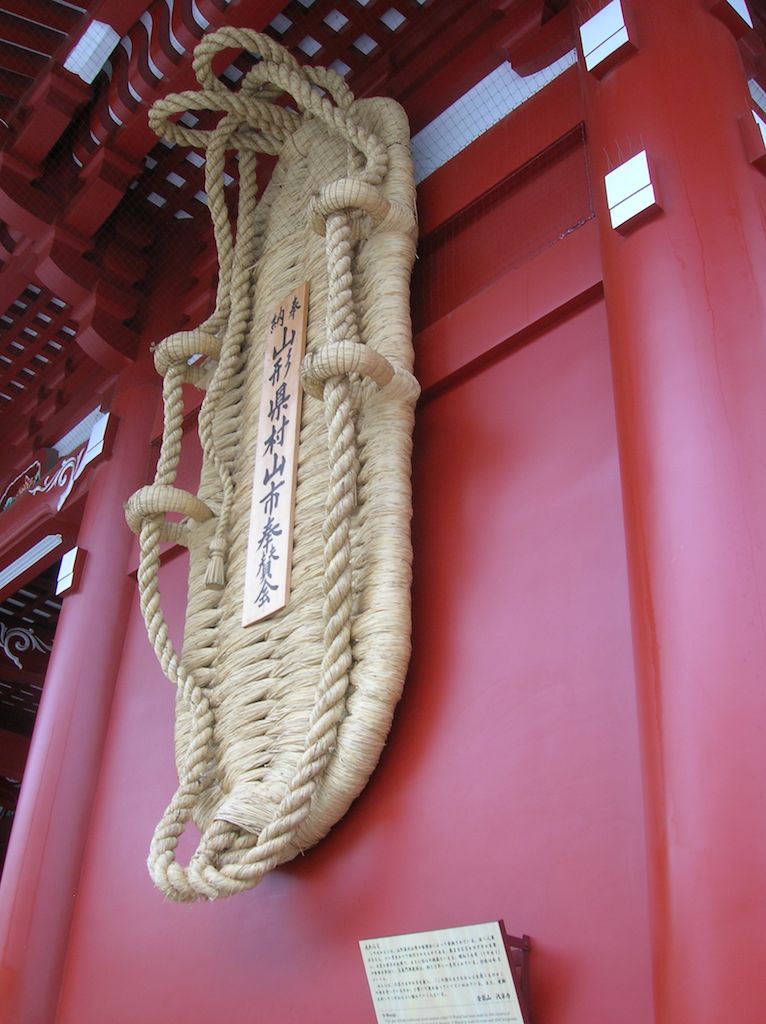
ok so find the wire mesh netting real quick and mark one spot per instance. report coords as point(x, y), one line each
point(489, 101)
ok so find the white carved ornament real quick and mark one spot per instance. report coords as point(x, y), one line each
point(66, 473)
point(17, 640)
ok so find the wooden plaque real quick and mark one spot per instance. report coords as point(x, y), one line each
point(270, 543)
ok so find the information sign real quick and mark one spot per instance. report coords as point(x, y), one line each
point(452, 976)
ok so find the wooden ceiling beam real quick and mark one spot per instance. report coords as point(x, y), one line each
point(21, 62)
point(56, 17)
point(13, 85)
point(24, 33)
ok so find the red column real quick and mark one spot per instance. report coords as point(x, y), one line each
point(686, 301)
point(45, 855)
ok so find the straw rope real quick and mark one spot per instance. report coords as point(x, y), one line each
point(230, 857)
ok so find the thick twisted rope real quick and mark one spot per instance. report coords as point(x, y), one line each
point(227, 859)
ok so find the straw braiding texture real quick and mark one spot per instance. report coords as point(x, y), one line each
point(262, 712)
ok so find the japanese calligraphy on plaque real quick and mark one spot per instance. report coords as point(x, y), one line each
point(452, 976)
point(269, 550)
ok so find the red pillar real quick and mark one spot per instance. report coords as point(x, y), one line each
point(686, 301)
point(44, 859)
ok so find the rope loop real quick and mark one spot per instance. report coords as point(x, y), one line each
point(161, 499)
point(347, 195)
point(258, 123)
point(179, 348)
point(230, 38)
point(342, 358)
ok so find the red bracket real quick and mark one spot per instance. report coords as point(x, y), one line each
point(48, 109)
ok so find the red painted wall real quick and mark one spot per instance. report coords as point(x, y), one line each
point(510, 784)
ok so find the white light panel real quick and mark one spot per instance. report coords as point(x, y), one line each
point(629, 190)
point(603, 35)
point(66, 572)
point(94, 48)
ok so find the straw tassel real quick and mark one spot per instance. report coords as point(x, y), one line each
point(215, 577)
